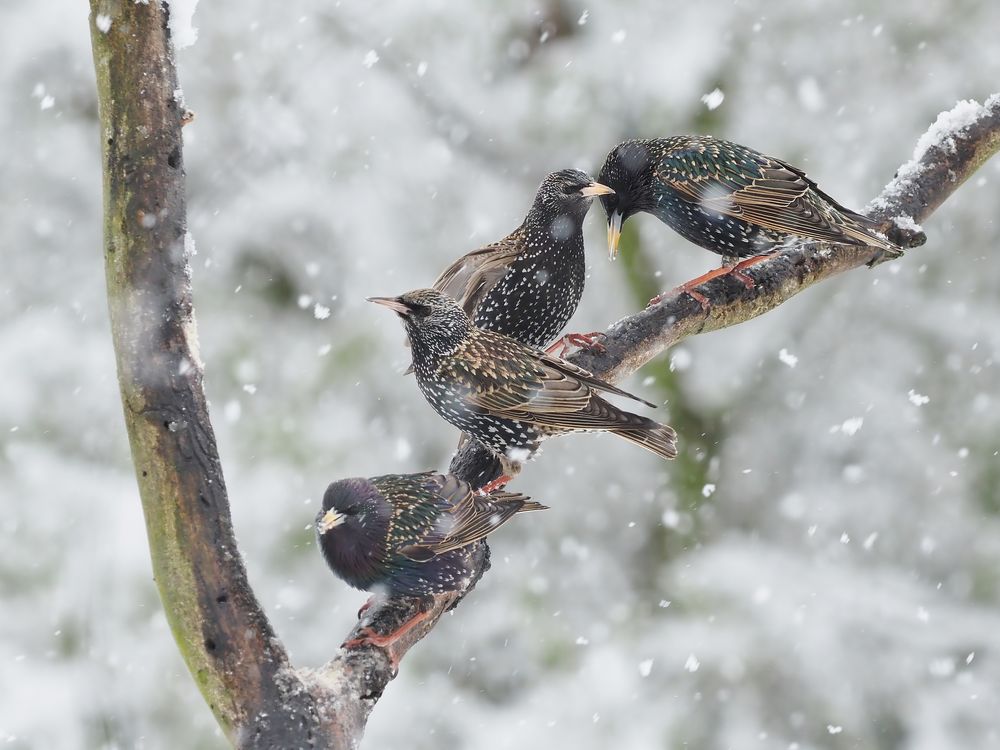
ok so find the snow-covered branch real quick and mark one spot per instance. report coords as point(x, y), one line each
point(953, 148)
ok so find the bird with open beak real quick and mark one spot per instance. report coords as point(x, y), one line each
point(728, 199)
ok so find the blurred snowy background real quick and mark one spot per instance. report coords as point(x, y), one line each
point(820, 569)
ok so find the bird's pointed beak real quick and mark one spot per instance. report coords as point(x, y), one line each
point(594, 189)
point(393, 303)
point(330, 520)
point(614, 233)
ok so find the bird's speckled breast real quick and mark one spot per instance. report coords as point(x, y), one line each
point(538, 295)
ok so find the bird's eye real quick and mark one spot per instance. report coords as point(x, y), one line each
point(419, 311)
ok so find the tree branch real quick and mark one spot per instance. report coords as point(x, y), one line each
point(223, 634)
point(243, 670)
point(959, 142)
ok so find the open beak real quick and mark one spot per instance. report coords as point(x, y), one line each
point(393, 303)
point(594, 189)
point(330, 520)
point(614, 233)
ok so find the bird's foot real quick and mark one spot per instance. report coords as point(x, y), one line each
point(368, 636)
point(496, 484)
point(688, 288)
point(737, 270)
point(589, 341)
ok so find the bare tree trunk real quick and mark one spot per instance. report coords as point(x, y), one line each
point(241, 667)
point(234, 656)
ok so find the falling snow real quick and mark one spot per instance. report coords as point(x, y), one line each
point(182, 32)
point(312, 177)
point(852, 425)
point(787, 358)
point(713, 99)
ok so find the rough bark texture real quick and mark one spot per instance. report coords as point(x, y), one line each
point(231, 650)
point(221, 630)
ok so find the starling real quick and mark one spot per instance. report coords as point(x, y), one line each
point(508, 396)
point(409, 534)
point(727, 198)
point(528, 285)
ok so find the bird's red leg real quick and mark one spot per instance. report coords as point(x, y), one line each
point(496, 484)
point(736, 270)
point(688, 287)
point(369, 637)
point(579, 340)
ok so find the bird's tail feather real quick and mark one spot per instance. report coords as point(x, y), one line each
point(865, 231)
point(530, 505)
point(658, 438)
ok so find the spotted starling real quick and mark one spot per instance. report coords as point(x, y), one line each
point(508, 396)
point(528, 285)
point(408, 534)
point(727, 198)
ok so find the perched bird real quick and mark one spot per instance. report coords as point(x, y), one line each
point(727, 198)
point(508, 396)
point(409, 534)
point(528, 285)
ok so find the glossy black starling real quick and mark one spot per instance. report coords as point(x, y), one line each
point(727, 198)
point(506, 395)
point(409, 534)
point(528, 285)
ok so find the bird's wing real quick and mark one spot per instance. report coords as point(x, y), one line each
point(464, 516)
point(505, 378)
point(737, 181)
point(588, 378)
point(470, 278)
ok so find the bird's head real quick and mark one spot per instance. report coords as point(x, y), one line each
point(628, 172)
point(563, 199)
point(434, 321)
point(351, 528)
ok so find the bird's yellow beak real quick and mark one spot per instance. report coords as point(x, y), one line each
point(393, 303)
point(614, 233)
point(330, 520)
point(594, 189)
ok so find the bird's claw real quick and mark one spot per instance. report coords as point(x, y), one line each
point(700, 298)
point(368, 636)
point(588, 341)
